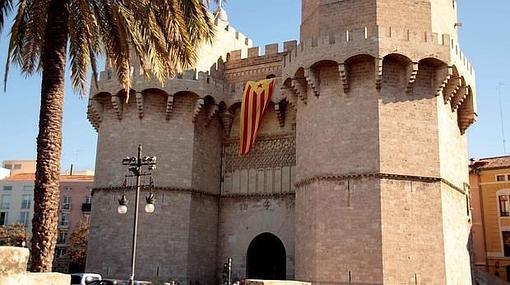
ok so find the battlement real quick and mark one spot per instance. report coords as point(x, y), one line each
point(108, 82)
point(232, 32)
point(270, 50)
point(378, 41)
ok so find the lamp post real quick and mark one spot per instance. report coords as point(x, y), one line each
point(135, 166)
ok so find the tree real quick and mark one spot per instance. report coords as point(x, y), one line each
point(162, 34)
point(13, 235)
point(77, 246)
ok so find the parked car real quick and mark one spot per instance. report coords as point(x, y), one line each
point(126, 282)
point(84, 278)
point(104, 282)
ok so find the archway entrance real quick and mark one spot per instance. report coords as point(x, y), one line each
point(266, 258)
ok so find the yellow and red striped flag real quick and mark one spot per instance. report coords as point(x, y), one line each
point(256, 98)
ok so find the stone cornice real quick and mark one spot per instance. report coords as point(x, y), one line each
point(301, 184)
point(427, 179)
point(236, 139)
point(164, 189)
point(256, 195)
point(198, 192)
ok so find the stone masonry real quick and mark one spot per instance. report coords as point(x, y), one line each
point(360, 167)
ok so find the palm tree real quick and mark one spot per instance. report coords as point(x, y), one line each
point(163, 34)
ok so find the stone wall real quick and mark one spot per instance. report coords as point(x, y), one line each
point(337, 133)
point(408, 123)
point(244, 218)
point(14, 265)
point(163, 237)
point(456, 230)
point(412, 233)
point(171, 141)
point(327, 16)
point(338, 232)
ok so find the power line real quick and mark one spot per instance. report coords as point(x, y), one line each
point(500, 85)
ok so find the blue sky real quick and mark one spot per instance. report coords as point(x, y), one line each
point(484, 39)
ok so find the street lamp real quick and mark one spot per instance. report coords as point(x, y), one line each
point(135, 166)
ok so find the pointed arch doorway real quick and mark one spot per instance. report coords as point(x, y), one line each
point(266, 258)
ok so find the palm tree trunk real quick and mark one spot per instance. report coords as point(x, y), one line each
point(49, 140)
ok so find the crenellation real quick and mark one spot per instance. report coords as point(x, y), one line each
point(289, 45)
point(271, 49)
point(253, 52)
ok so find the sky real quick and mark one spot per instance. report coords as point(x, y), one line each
point(484, 38)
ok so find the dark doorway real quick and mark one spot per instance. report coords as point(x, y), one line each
point(266, 258)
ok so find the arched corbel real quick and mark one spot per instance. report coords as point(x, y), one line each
point(412, 73)
point(169, 106)
point(213, 110)
point(312, 80)
point(460, 96)
point(279, 109)
point(227, 119)
point(344, 76)
point(466, 114)
point(94, 111)
point(117, 106)
point(299, 88)
point(139, 104)
point(289, 95)
point(378, 72)
point(443, 75)
point(453, 86)
point(199, 105)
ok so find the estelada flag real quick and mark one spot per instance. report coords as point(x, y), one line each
point(256, 98)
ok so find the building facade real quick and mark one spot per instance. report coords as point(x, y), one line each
point(17, 204)
point(358, 176)
point(490, 181)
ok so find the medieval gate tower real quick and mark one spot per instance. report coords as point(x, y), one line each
point(359, 174)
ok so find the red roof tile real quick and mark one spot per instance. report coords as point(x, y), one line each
point(31, 177)
point(492, 162)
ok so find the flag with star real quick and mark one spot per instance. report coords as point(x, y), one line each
point(256, 99)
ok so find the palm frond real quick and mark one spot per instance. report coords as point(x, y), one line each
point(16, 41)
point(34, 41)
point(82, 42)
point(5, 9)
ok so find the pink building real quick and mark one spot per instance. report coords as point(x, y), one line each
point(75, 205)
point(17, 205)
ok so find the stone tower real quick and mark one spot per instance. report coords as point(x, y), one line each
point(359, 173)
point(384, 97)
